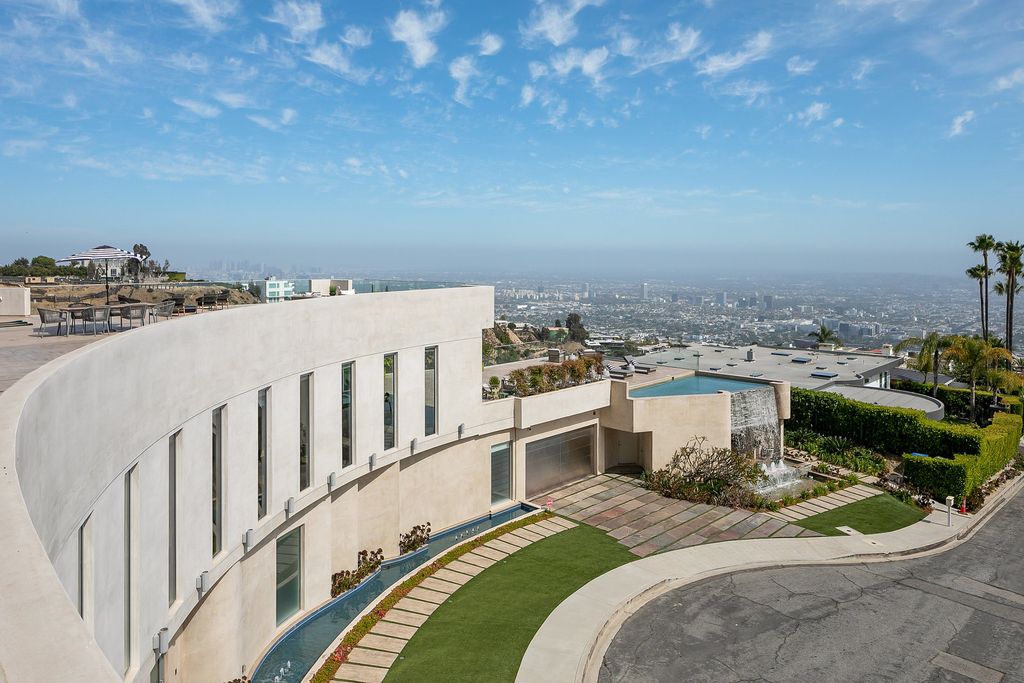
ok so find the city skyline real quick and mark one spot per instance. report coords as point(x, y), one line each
point(859, 136)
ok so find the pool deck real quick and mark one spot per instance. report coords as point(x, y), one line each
point(21, 351)
point(663, 372)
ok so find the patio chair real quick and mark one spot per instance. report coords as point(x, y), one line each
point(125, 300)
point(49, 316)
point(76, 313)
point(207, 302)
point(164, 309)
point(617, 373)
point(222, 299)
point(94, 315)
point(642, 368)
point(133, 313)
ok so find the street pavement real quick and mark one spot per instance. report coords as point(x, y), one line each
point(954, 616)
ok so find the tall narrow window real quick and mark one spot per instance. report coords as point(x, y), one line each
point(130, 525)
point(430, 390)
point(347, 423)
point(390, 400)
point(172, 517)
point(217, 502)
point(289, 574)
point(501, 472)
point(305, 432)
point(85, 571)
point(261, 452)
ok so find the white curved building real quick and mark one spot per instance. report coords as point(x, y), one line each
point(203, 478)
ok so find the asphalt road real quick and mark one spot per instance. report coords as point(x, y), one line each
point(955, 616)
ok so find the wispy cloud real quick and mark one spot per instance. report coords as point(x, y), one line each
point(334, 57)
point(193, 63)
point(234, 100)
point(462, 69)
point(208, 14)
point(864, 68)
point(959, 124)
point(679, 44)
point(754, 49)
point(1010, 81)
point(589, 63)
point(752, 92)
point(488, 44)
point(814, 112)
point(357, 37)
point(19, 148)
point(417, 32)
point(200, 109)
point(703, 130)
point(554, 22)
point(798, 66)
point(302, 19)
point(526, 95)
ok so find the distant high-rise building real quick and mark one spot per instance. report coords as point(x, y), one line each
point(769, 302)
point(675, 297)
point(585, 294)
point(643, 291)
point(723, 299)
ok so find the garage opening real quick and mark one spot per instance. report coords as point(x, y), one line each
point(558, 460)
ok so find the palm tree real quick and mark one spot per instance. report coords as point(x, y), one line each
point(1010, 265)
point(825, 336)
point(981, 273)
point(972, 360)
point(984, 244)
point(929, 355)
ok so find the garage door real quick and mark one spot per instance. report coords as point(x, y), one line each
point(558, 460)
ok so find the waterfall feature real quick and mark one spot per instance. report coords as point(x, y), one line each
point(755, 423)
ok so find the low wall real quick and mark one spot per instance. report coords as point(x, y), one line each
point(15, 301)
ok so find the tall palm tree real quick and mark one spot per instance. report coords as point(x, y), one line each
point(981, 273)
point(929, 355)
point(972, 359)
point(983, 244)
point(1010, 265)
point(823, 336)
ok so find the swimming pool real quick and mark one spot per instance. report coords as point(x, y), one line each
point(695, 384)
point(298, 650)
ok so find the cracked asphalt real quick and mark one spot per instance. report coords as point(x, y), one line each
point(955, 616)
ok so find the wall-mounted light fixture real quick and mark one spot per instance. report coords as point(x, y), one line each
point(373, 460)
point(462, 430)
point(161, 641)
point(203, 583)
point(412, 446)
point(332, 480)
point(289, 507)
point(248, 540)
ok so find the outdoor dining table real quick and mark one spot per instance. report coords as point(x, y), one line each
point(119, 307)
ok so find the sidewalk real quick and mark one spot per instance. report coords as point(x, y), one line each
point(570, 644)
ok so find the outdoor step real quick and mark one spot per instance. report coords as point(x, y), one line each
point(464, 567)
point(387, 628)
point(386, 643)
point(527, 534)
point(561, 521)
point(516, 541)
point(362, 655)
point(791, 515)
point(489, 553)
point(446, 574)
point(417, 606)
point(477, 560)
point(400, 616)
point(439, 585)
point(549, 525)
point(502, 546)
point(360, 673)
point(541, 530)
point(427, 595)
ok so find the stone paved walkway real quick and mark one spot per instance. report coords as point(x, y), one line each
point(814, 506)
point(378, 650)
point(647, 522)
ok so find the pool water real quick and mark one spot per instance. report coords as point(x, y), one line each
point(695, 384)
point(298, 650)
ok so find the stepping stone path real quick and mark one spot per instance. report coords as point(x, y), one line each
point(646, 522)
point(814, 506)
point(370, 661)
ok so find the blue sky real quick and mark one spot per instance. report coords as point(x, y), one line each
point(858, 134)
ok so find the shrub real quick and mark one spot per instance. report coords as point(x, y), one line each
point(367, 562)
point(958, 401)
point(539, 379)
point(716, 476)
point(417, 537)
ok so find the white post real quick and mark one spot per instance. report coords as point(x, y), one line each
point(949, 510)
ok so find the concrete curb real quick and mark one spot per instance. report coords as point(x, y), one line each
point(571, 643)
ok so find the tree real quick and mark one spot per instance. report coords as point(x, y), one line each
point(824, 336)
point(577, 332)
point(983, 244)
point(135, 265)
point(929, 355)
point(558, 323)
point(981, 273)
point(1010, 255)
point(972, 359)
point(43, 262)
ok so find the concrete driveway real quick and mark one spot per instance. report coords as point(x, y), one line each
point(955, 616)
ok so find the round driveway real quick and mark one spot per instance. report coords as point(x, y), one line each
point(955, 616)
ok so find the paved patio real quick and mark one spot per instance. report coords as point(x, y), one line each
point(647, 522)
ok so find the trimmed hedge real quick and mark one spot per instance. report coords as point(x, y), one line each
point(890, 430)
point(960, 475)
point(958, 401)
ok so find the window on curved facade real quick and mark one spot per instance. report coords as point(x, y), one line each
point(305, 431)
point(262, 416)
point(390, 400)
point(430, 390)
point(289, 574)
point(501, 472)
point(217, 452)
point(347, 417)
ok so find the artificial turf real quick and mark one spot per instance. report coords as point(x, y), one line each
point(481, 632)
point(869, 516)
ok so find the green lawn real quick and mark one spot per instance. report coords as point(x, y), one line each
point(482, 631)
point(869, 516)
